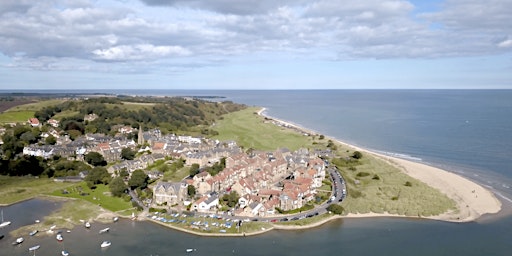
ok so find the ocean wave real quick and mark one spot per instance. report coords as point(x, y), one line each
point(399, 155)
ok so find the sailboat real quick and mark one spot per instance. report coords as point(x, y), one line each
point(4, 223)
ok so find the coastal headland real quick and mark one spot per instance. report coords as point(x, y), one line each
point(472, 200)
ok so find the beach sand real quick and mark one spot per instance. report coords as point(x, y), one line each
point(472, 199)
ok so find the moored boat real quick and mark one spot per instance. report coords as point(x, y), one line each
point(18, 240)
point(33, 233)
point(59, 237)
point(4, 223)
point(64, 253)
point(116, 219)
point(87, 224)
point(105, 244)
point(104, 230)
point(33, 248)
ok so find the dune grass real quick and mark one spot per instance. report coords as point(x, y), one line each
point(250, 130)
point(388, 190)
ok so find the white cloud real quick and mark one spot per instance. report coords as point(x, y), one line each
point(38, 31)
point(139, 52)
point(505, 44)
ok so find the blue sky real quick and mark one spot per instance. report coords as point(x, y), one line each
point(255, 44)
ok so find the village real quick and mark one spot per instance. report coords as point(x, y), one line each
point(266, 183)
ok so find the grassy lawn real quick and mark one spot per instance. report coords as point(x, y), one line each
point(389, 192)
point(15, 116)
point(99, 196)
point(15, 189)
point(36, 106)
point(252, 131)
point(178, 175)
point(65, 113)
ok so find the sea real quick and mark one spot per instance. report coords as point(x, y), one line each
point(468, 132)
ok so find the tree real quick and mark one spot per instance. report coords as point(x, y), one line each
point(127, 153)
point(194, 169)
point(139, 179)
point(98, 175)
point(335, 208)
point(50, 140)
point(95, 158)
point(357, 155)
point(230, 199)
point(191, 190)
point(117, 186)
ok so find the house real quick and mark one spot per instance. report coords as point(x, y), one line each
point(170, 193)
point(34, 122)
point(53, 123)
point(206, 203)
point(90, 117)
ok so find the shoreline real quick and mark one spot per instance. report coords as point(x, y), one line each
point(472, 200)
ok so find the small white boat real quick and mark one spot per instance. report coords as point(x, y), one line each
point(190, 250)
point(18, 240)
point(87, 224)
point(33, 233)
point(37, 221)
point(116, 219)
point(4, 223)
point(105, 244)
point(64, 253)
point(53, 227)
point(59, 238)
point(33, 248)
point(104, 230)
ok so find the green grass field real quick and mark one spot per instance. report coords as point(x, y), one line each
point(250, 130)
point(65, 113)
point(15, 189)
point(99, 196)
point(35, 106)
point(16, 116)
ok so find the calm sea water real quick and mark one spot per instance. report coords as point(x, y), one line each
point(469, 132)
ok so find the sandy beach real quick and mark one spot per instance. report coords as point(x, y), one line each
point(472, 199)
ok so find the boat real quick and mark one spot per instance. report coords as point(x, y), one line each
point(190, 250)
point(105, 244)
point(33, 233)
point(104, 230)
point(87, 224)
point(59, 237)
point(18, 240)
point(33, 248)
point(116, 219)
point(64, 253)
point(4, 223)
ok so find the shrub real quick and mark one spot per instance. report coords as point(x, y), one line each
point(362, 174)
point(376, 177)
point(336, 208)
point(357, 155)
point(408, 184)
